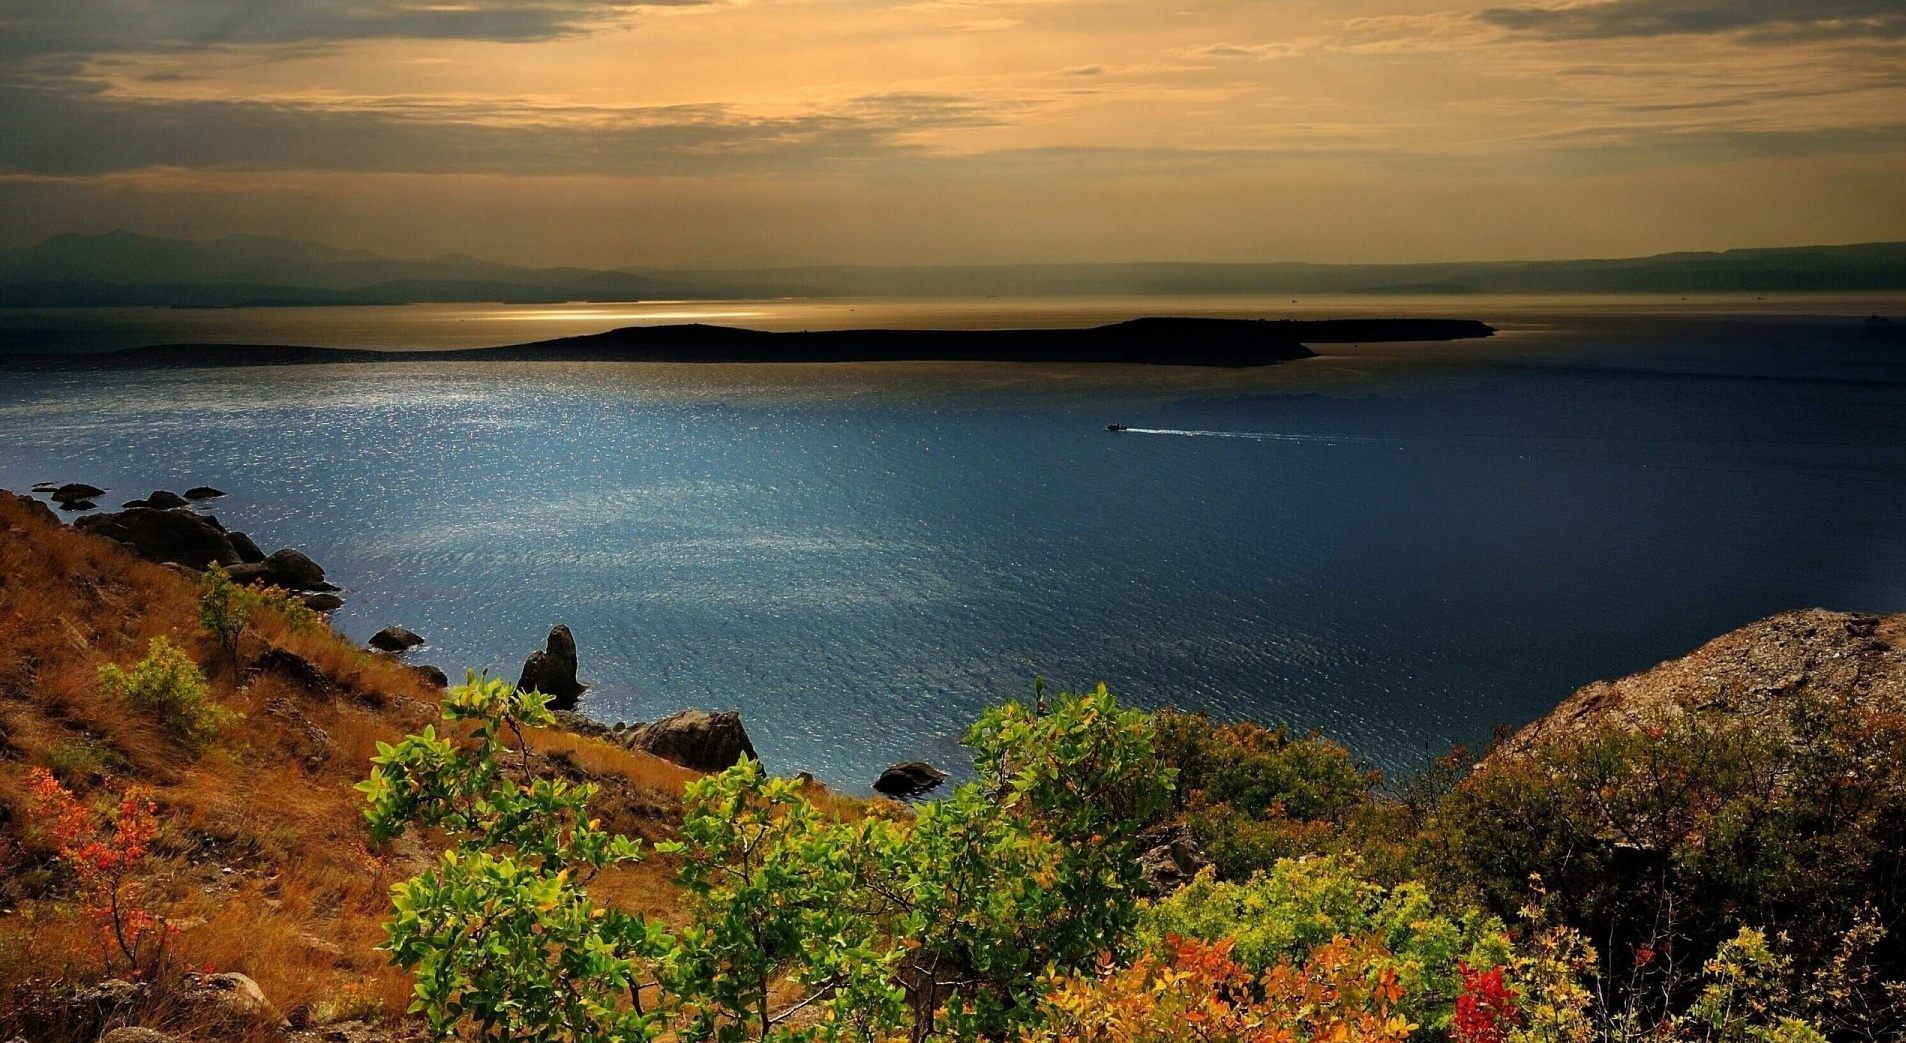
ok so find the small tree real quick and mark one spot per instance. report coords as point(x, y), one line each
point(223, 610)
point(106, 853)
point(501, 932)
point(775, 891)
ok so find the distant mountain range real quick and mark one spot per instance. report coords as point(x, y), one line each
point(126, 269)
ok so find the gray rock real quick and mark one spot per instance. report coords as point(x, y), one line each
point(552, 671)
point(294, 668)
point(76, 491)
point(323, 602)
point(78, 505)
point(229, 995)
point(693, 739)
point(434, 675)
point(1169, 857)
point(251, 572)
point(570, 720)
point(395, 639)
point(248, 551)
point(109, 995)
point(203, 492)
point(130, 504)
point(909, 779)
point(180, 537)
point(163, 500)
point(293, 571)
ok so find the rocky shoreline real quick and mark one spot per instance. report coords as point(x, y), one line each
point(166, 528)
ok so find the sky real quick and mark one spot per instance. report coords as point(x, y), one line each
point(768, 132)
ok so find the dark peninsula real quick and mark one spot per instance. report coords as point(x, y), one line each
point(1155, 341)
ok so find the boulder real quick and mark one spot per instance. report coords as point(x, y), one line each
point(76, 491)
point(78, 505)
point(251, 572)
point(552, 671)
point(909, 779)
point(130, 504)
point(434, 675)
point(107, 996)
point(570, 720)
point(395, 639)
point(163, 500)
point(45, 487)
point(293, 571)
point(323, 602)
point(229, 995)
point(203, 492)
point(1169, 857)
point(294, 668)
point(694, 739)
point(179, 537)
point(248, 551)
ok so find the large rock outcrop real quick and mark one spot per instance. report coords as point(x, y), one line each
point(178, 537)
point(1752, 673)
point(552, 671)
point(693, 739)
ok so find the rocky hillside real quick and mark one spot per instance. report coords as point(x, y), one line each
point(1846, 659)
point(258, 866)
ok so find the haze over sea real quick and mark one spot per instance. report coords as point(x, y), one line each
point(1402, 544)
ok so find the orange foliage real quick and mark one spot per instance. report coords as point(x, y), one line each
point(1345, 992)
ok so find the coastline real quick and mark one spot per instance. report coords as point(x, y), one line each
point(1226, 343)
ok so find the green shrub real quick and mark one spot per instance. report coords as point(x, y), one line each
point(1664, 840)
point(501, 933)
point(1300, 904)
point(1253, 795)
point(83, 761)
point(942, 921)
point(168, 686)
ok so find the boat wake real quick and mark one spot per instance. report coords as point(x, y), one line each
point(1262, 436)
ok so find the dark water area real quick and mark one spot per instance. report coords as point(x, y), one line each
point(1402, 544)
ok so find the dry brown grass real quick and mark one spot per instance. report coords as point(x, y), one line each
point(261, 857)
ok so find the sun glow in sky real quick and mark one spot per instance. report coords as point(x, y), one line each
point(724, 132)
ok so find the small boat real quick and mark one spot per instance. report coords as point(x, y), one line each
point(1116, 427)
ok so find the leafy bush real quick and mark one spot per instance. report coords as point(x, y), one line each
point(167, 686)
point(1344, 991)
point(501, 933)
point(938, 922)
point(1667, 839)
point(1301, 904)
point(773, 889)
point(106, 853)
point(225, 608)
point(1253, 795)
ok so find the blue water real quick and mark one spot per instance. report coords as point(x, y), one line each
point(1400, 546)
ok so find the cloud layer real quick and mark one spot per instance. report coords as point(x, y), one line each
point(1763, 19)
point(1088, 129)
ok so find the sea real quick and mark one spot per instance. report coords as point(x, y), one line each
point(1402, 545)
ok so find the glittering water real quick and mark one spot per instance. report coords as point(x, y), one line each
point(1400, 545)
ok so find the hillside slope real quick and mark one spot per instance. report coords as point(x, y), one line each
point(260, 861)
